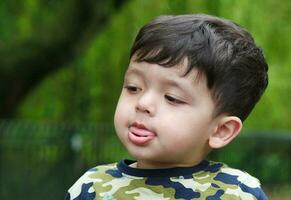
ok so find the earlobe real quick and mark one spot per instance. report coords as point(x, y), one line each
point(228, 127)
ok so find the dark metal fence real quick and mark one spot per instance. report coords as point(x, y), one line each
point(41, 160)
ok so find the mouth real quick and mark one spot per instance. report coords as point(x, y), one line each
point(140, 135)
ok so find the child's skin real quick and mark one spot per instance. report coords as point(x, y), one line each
point(191, 81)
point(166, 119)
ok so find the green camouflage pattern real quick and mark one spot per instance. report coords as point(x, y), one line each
point(216, 181)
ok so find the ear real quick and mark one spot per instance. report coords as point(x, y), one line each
point(228, 127)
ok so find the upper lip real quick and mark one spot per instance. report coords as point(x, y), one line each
point(142, 126)
point(139, 125)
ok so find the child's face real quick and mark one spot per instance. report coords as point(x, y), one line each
point(163, 118)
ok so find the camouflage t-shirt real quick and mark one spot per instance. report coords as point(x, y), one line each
point(208, 180)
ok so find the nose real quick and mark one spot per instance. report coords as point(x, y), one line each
point(146, 104)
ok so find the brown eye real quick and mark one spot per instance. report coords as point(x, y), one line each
point(132, 89)
point(173, 100)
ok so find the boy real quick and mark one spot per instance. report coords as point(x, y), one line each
point(191, 81)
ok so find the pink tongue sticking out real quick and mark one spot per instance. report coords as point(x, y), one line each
point(140, 136)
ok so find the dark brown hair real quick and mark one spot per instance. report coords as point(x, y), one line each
point(224, 52)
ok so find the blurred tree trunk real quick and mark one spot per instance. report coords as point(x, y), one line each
point(23, 65)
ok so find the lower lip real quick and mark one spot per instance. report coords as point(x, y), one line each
point(140, 140)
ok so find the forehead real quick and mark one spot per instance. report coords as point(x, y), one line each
point(172, 74)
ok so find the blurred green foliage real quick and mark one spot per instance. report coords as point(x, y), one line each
point(88, 88)
point(85, 88)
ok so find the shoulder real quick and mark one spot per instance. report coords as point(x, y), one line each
point(83, 187)
point(230, 175)
point(238, 183)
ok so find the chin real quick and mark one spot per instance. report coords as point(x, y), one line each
point(143, 156)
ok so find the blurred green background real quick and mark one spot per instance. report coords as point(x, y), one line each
point(61, 71)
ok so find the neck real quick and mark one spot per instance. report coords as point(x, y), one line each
point(142, 164)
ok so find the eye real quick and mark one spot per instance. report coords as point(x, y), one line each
point(173, 100)
point(132, 89)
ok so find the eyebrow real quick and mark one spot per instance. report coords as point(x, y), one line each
point(166, 81)
point(175, 84)
point(134, 71)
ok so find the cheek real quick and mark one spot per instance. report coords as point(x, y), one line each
point(175, 120)
point(183, 126)
point(122, 113)
point(173, 127)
